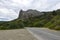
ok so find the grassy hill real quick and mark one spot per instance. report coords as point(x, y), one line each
point(49, 19)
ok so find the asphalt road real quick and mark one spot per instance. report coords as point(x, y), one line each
point(44, 34)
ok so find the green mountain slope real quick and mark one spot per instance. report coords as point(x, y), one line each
point(54, 23)
point(47, 19)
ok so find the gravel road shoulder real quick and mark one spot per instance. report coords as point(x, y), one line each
point(17, 34)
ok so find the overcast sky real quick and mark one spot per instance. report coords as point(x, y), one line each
point(9, 8)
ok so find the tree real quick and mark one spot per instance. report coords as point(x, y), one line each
point(54, 13)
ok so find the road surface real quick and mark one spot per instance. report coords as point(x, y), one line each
point(44, 34)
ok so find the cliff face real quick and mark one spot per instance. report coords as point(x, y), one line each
point(28, 13)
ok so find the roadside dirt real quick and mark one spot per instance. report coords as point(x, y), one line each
point(17, 34)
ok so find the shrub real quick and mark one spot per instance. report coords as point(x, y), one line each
point(52, 26)
point(57, 28)
point(3, 27)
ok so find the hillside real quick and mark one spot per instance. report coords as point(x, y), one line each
point(34, 18)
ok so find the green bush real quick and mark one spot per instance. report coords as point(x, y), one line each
point(48, 24)
point(3, 27)
point(57, 28)
point(52, 26)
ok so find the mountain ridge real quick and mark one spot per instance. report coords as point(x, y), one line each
point(49, 20)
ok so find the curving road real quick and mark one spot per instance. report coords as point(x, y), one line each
point(44, 34)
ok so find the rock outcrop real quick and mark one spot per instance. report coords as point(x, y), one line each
point(28, 13)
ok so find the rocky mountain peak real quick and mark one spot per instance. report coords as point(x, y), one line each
point(28, 13)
